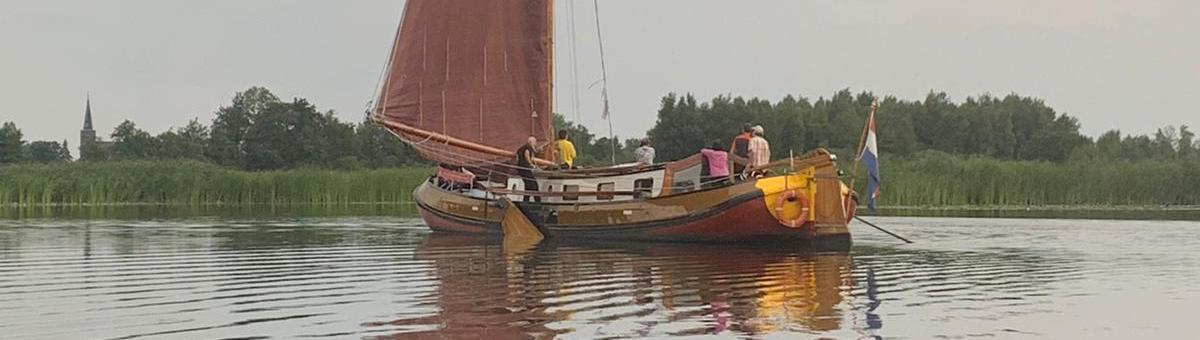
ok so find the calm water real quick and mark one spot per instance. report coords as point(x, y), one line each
point(389, 278)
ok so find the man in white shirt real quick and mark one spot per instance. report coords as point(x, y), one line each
point(760, 150)
point(645, 153)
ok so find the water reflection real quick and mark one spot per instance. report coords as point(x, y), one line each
point(620, 289)
point(391, 278)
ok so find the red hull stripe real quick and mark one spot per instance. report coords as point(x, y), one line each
point(744, 218)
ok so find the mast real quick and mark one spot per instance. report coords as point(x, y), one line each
point(612, 140)
point(550, 62)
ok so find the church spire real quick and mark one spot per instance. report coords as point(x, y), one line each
point(87, 114)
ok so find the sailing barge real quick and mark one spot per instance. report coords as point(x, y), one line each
point(469, 81)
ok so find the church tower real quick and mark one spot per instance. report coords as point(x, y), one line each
point(87, 136)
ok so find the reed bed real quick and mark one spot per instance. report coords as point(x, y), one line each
point(197, 183)
point(935, 179)
point(928, 179)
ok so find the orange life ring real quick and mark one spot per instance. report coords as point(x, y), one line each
point(791, 196)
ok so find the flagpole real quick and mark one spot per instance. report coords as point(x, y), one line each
point(862, 140)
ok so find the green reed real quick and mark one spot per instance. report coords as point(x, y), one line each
point(195, 183)
point(938, 179)
point(928, 179)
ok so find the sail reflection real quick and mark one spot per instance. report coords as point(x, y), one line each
point(594, 289)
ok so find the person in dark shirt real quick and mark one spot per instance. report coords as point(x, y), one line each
point(525, 167)
point(741, 147)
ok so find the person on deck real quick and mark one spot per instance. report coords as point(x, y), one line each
point(644, 154)
point(760, 150)
point(565, 151)
point(525, 167)
point(715, 167)
point(741, 147)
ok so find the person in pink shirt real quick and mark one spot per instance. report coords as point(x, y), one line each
point(715, 169)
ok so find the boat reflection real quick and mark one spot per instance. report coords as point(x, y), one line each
point(602, 289)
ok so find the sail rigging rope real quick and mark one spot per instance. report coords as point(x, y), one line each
point(574, 58)
point(384, 75)
point(604, 86)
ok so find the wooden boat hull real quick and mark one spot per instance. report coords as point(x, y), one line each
point(743, 212)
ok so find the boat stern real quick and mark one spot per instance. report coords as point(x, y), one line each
point(814, 199)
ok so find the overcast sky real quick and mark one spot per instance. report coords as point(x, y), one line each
point(1129, 65)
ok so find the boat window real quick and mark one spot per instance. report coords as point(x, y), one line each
point(643, 187)
point(683, 186)
point(605, 191)
point(568, 189)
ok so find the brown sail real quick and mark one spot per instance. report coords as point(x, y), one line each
point(469, 79)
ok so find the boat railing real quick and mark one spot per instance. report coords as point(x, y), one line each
point(563, 193)
point(815, 158)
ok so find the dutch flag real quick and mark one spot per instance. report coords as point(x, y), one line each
point(870, 159)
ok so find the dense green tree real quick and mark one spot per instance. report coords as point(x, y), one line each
point(899, 133)
point(1136, 148)
point(679, 132)
point(12, 144)
point(1014, 127)
point(337, 145)
point(1187, 143)
point(64, 153)
point(933, 121)
point(48, 152)
point(1165, 142)
point(229, 129)
point(93, 152)
point(130, 142)
point(378, 148)
point(281, 135)
point(286, 135)
point(189, 142)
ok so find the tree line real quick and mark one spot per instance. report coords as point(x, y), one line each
point(258, 131)
point(1012, 127)
point(14, 149)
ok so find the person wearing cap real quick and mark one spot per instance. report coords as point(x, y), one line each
point(759, 149)
point(644, 154)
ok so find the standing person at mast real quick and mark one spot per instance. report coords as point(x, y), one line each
point(565, 151)
point(525, 167)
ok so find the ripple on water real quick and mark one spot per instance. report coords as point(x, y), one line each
point(389, 278)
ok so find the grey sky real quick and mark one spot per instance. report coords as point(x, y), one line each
point(1132, 65)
